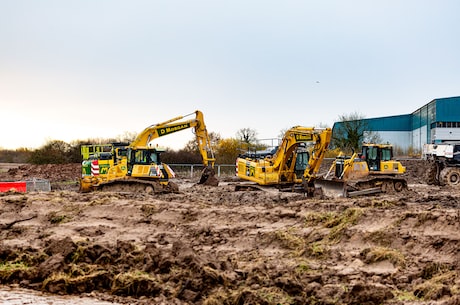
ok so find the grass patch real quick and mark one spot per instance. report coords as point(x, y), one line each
point(342, 221)
point(76, 280)
point(404, 296)
point(56, 218)
point(217, 298)
point(80, 253)
point(336, 222)
point(8, 269)
point(265, 295)
point(383, 203)
point(438, 286)
point(382, 237)
point(289, 240)
point(135, 283)
point(379, 254)
point(423, 217)
point(149, 209)
point(317, 249)
point(434, 269)
point(244, 295)
point(315, 218)
point(12, 266)
point(303, 268)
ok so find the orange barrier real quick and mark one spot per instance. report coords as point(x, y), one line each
point(19, 186)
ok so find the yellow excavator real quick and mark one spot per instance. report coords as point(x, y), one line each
point(138, 167)
point(292, 166)
point(372, 171)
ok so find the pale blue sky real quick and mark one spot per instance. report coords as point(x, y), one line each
point(99, 68)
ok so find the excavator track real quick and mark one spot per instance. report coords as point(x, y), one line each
point(387, 184)
point(374, 185)
point(138, 186)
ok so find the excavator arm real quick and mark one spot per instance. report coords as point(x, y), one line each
point(322, 140)
point(299, 134)
point(144, 139)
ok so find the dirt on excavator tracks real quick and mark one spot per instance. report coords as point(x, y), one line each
point(213, 245)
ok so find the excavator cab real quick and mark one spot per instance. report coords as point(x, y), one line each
point(146, 163)
point(301, 162)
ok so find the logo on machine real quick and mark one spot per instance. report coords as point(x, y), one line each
point(303, 137)
point(167, 130)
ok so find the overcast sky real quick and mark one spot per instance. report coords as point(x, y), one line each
point(100, 68)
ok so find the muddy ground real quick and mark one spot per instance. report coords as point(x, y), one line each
point(213, 245)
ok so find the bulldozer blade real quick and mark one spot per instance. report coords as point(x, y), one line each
point(332, 188)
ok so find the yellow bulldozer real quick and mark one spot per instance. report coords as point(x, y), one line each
point(374, 170)
point(137, 166)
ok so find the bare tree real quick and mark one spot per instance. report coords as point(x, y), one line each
point(127, 136)
point(247, 135)
point(352, 132)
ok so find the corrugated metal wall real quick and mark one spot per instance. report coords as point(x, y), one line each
point(448, 109)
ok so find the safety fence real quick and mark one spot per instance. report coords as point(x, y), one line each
point(194, 170)
point(226, 170)
point(30, 185)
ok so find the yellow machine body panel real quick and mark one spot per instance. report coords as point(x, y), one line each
point(356, 170)
point(260, 172)
point(390, 167)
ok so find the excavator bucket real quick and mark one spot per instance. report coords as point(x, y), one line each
point(208, 177)
point(332, 188)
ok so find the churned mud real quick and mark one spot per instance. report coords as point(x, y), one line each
point(213, 245)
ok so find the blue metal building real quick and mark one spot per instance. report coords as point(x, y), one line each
point(436, 122)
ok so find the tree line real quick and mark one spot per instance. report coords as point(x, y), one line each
point(60, 152)
point(226, 150)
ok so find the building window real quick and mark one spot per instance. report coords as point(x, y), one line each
point(445, 125)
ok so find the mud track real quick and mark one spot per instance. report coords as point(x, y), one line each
point(212, 245)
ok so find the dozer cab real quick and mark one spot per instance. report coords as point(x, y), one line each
point(372, 171)
point(137, 167)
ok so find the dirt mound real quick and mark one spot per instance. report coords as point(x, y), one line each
point(52, 172)
point(61, 176)
point(213, 245)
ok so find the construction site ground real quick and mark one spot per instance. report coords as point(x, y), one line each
point(214, 245)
